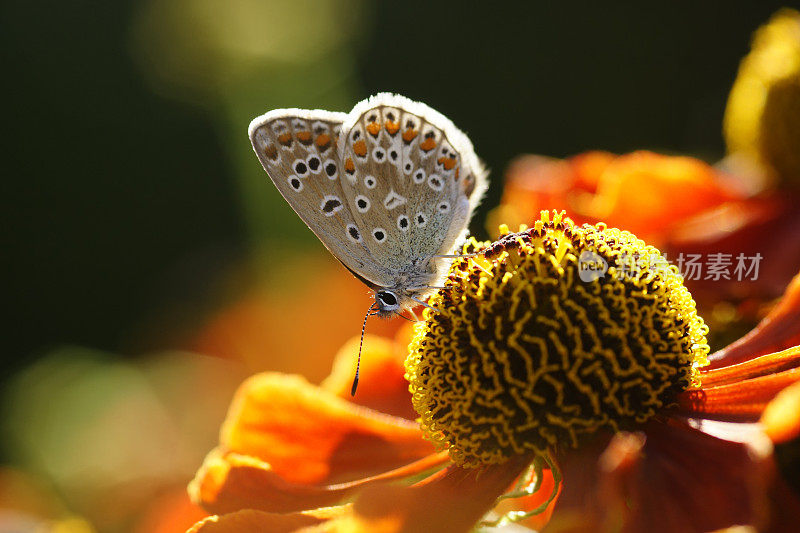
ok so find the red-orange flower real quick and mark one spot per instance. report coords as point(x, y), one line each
point(745, 205)
point(661, 458)
point(680, 204)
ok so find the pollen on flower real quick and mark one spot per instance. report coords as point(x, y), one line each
point(548, 336)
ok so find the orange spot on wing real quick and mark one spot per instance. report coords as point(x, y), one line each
point(349, 166)
point(271, 151)
point(374, 128)
point(360, 148)
point(304, 137)
point(457, 173)
point(448, 162)
point(391, 127)
point(285, 139)
point(323, 140)
point(428, 144)
point(469, 186)
point(409, 135)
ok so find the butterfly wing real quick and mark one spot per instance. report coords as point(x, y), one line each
point(298, 150)
point(411, 177)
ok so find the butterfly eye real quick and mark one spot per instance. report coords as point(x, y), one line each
point(301, 168)
point(387, 298)
point(378, 155)
point(408, 168)
point(419, 176)
point(370, 182)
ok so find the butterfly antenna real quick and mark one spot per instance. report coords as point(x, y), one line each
point(360, 345)
point(454, 256)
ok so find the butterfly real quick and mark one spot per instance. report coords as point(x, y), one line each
point(388, 188)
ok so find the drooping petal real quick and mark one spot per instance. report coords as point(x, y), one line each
point(452, 500)
point(779, 330)
point(251, 521)
point(308, 435)
point(781, 418)
point(381, 383)
point(707, 483)
point(229, 482)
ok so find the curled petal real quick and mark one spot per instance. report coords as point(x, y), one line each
point(779, 330)
point(309, 435)
point(250, 521)
point(781, 418)
point(229, 482)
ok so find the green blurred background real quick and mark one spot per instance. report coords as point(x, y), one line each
point(135, 208)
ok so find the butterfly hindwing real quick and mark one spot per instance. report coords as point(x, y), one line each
point(411, 178)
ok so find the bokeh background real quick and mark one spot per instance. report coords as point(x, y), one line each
point(150, 264)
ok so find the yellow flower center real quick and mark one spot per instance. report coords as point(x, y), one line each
point(549, 335)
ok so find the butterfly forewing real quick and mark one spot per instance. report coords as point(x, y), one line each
point(298, 149)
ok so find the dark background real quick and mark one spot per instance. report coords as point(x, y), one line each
point(121, 201)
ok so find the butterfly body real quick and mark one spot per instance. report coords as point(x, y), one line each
point(388, 188)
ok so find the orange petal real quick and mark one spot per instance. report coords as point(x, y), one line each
point(779, 330)
point(646, 193)
point(589, 167)
point(229, 482)
point(767, 226)
point(452, 500)
point(760, 366)
point(743, 400)
point(671, 478)
point(534, 183)
point(691, 481)
point(309, 435)
point(781, 418)
point(382, 385)
point(250, 521)
point(169, 513)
